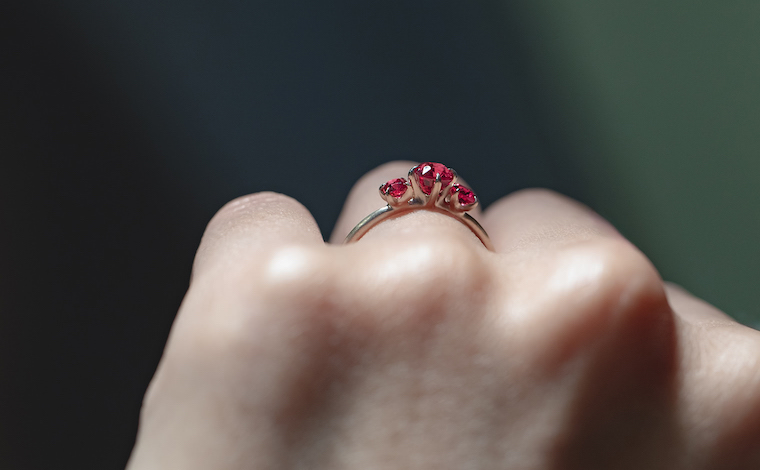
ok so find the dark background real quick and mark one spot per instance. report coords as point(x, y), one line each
point(125, 125)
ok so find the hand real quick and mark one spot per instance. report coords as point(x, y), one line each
point(416, 348)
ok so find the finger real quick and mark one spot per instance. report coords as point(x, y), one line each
point(252, 225)
point(364, 199)
point(720, 390)
point(581, 277)
point(242, 258)
point(540, 217)
point(695, 310)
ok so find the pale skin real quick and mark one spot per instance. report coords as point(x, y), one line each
point(416, 348)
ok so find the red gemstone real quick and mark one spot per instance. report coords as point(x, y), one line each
point(428, 172)
point(465, 195)
point(395, 187)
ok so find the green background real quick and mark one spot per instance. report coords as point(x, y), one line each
point(658, 107)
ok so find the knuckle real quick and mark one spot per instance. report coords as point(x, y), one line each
point(421, 278)
point(613, 321)
point(226, 313)
point(621, 278)
point(604, 295)
point(331, 298)
point(296, 275)
point(635, 286)
point(293, 273)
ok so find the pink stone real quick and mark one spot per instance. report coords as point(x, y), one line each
point(427, 173)
point(465, 195)
point(395, 187)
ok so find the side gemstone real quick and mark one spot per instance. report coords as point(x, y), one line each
point(395, 187)
point(465, 195)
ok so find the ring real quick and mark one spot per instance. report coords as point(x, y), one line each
point(430, 186)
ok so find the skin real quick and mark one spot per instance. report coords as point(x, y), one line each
point(417, 348)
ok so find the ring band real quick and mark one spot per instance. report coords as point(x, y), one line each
point(430, 186)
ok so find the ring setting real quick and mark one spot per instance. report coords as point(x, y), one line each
point(429, 186)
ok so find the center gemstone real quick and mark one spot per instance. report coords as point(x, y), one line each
point(427, 173)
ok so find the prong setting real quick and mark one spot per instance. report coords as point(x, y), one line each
point(418, 195)
point(462, 198)
point(436, 191)
point(396, 192)
point(431, 186)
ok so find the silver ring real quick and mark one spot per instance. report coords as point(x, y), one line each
point(430, 186)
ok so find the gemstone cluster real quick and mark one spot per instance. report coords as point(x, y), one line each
point(423, 180)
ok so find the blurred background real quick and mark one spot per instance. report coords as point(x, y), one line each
point(125, 125)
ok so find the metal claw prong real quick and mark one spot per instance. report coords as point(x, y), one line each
point(407, 195)
point(443, 200)
point(387, 196)
point(436, 191)
point(417, 193)
point(454, 177)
